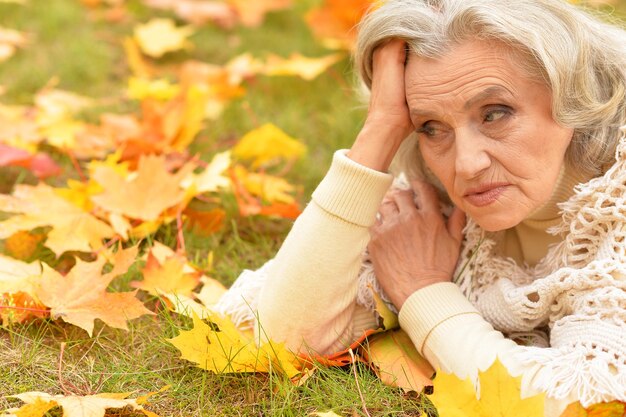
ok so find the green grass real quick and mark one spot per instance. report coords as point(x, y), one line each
point(71, 47)
point(81, 53)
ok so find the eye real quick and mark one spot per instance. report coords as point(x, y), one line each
point(427, 129)
point(493, 115)
point(430, 128)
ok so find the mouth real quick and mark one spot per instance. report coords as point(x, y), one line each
point(485, 195)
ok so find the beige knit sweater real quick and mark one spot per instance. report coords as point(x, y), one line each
point(310, 295)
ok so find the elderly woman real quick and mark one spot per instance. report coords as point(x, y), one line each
point(512, 108)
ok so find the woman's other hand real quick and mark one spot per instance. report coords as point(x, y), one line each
point(388, 122)
point(412, 245)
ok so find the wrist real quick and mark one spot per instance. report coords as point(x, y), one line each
point(419, 284)
point(376, 145)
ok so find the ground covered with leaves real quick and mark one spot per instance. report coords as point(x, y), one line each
point(150, 151)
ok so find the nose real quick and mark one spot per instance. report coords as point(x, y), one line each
point(471, 154)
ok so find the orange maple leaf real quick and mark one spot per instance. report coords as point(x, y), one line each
point(252, 13)
point(335, 21)
point(146, 194)
point(611, 409)
point(397, 362)
point(205, 223)
point(81, 296)
point(168, 277)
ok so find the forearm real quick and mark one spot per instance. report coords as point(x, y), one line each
point(309, 299)
point(455, 338)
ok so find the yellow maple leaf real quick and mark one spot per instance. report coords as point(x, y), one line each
point(38, 403)
point(81, 297)
point(297, 64)
point(160, 36)
point(143, 88)
point(500, 395)
point(268, 143)
point(55, 110)
point(72, 228)
point(111, 161)
point(79, 193)
point(216, 345)
point(211, 292)
point(16, 276)
point(269, 187)
point(219, 84)
point(144, 194)
point(211, 178)
point(330, 413)
point(183, 123)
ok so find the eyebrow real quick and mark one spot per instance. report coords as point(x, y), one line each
point(490, 92)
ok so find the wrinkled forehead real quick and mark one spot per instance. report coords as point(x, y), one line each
point(453, 59)
point(467, 68)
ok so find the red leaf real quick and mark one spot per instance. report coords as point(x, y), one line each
point(40, 164)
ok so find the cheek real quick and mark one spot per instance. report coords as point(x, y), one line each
point(441, 165)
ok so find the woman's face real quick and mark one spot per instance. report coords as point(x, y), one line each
point(486, 130)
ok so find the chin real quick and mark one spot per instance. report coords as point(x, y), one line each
point(496, 223)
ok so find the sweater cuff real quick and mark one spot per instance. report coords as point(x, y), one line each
point(352, 191)
point(429, 307)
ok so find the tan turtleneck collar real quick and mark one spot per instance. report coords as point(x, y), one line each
point(529, 241)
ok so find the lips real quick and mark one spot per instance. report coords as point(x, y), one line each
point(485, 194)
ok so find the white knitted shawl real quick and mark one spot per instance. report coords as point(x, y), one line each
point(577, 291)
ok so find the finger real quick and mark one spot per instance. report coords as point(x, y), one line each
point(405, 200)
point(388, 209)
point(456, 223)
point(394, 50)
point(426, 196)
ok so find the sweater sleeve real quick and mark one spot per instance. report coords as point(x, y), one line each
point(452, 335)
point(309, 299)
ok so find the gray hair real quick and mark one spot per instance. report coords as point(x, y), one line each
point(581, 58)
